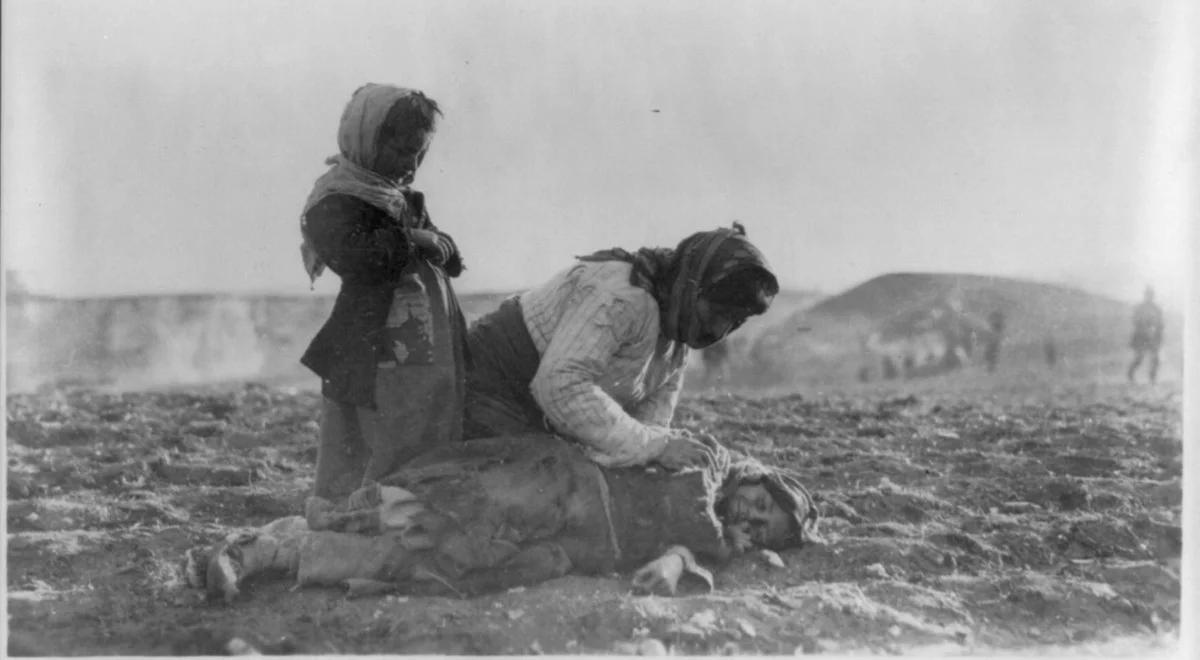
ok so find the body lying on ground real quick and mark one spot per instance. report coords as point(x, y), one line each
point(510, 511)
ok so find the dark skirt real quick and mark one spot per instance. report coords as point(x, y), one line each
point(418, 389)
point(503, 363)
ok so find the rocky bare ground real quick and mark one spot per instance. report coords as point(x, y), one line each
point(959, 519)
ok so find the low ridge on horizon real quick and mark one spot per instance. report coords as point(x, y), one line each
point(912, 287)
point(897, 284)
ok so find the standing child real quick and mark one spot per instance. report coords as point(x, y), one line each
point(391, 354)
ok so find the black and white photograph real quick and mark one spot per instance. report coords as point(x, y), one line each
point(577, 328)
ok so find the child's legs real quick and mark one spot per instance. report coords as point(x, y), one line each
point(416, 411)
point(418, 393)
point(342, 453)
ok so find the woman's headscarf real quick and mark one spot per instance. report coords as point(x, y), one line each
point(677, 278)
point(351, 174)
point(784, 487)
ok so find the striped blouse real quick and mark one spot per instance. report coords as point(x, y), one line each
point(606, 378)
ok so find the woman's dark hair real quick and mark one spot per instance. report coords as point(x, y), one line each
point(750, 288)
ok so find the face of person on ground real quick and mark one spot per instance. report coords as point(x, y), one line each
point(715, 321)
point(768, 523)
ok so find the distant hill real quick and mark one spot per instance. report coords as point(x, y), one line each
point(848, 332)
point(1032, 309)
point(146, 340)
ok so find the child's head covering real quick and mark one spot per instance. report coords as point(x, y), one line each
point(358, 144)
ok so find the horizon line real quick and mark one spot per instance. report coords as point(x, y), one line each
point(32, 292)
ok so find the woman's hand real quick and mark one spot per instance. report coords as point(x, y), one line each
point(685, 449)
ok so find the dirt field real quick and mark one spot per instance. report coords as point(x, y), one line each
point(961, 516)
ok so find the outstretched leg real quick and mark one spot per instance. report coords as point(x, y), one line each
point(220, 570)
point(314, 558)
point(325, 547)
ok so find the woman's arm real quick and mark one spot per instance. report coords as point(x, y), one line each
point(593, 328)
point(658, 409)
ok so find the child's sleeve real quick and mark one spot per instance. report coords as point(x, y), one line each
point(451, 258)
point(351, 244)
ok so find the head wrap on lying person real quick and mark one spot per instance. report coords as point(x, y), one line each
point(351, 170)
point(679, 277)
point(787, 491)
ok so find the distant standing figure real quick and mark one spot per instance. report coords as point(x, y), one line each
point(889, 368)
point(991, 351)
point(391, 355)
point(864, 374)
point(1147, 335)
point(1050, 349)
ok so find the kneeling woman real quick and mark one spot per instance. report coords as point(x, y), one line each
point(517, 510)
point(596, 354)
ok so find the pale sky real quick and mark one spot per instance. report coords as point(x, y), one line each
point(169, 146)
